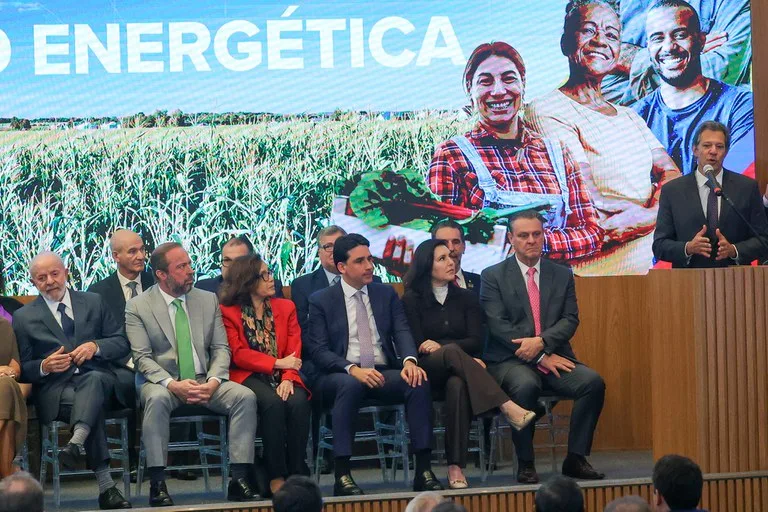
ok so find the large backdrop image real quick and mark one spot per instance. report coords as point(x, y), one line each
point(194, 121)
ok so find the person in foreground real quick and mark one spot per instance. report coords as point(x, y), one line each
point(180, 349)
point(559, 494)
point(628, 504)
point(265, 340)
point(424, 502)
point(13, 407)
point(67, 343)
point(298, 494)
point(357, 334)
point(20, 492)
point(677, 484)
point(447, 326)
point(696, 228)
point(531, 310)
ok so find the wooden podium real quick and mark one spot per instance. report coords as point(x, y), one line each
point(709, 388)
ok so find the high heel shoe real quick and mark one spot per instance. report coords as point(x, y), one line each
point(527, 419)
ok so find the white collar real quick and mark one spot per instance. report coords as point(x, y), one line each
point(524, 268)
point(170, 298)
point(701, 180)
point(350, 291)
point(124, 280)
point(54, 304)
point(330, 275)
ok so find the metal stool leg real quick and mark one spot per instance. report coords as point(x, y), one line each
point(45, 446)
point(224, 447)
point(552, 437)
point(202, 452)
point(125, 448)
point(380, 447)
point(56, 468)
point(140, 468)
point(403, 445)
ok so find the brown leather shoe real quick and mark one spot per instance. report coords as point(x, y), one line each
point(576, 466)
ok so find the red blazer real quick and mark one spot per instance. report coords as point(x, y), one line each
point(245, 360)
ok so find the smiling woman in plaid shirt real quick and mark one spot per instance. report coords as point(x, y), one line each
point(502, 163)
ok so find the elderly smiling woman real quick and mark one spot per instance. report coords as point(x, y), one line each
point(624, 165)
point(501, 163)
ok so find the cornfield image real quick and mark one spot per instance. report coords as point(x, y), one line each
point(67, 190)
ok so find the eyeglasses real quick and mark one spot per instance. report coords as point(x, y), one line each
point(267, 275)
point(226, 262)
point(327, 247)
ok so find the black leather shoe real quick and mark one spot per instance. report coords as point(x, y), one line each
point(71, 455)
point(345, 486)
point(326, 466)
point(184, 474)
point(158, 495)
point(576, 466)
point(240, 490)
point(526, 472)
point(426, 481)
point(112, 499)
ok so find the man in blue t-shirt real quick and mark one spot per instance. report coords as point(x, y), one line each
point(686, 97)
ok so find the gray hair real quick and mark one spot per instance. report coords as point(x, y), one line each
point(330, 230)
point(40, 256)
point(424, 502)
point(628, 504)
point(21, 492)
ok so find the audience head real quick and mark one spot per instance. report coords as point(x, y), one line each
point(453, 234)
point(325, 241)
point(49, 275)
point(677, 483)
point(424, 502)
point(129, 253)
point(526, 235)
point(234, 248)
point(248, 276)
point(628, 504)
point(711, 142)
point(298, 494)
point(20, 492)
point(559, 494)
point(352, 256)
point(449, 506)
point(172, 268)
point(591, 37)
point(432, 266)
point(675, 41)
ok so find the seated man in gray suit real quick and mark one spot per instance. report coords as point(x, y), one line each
point(67, 343)
point(530, 305)
point(180, 347)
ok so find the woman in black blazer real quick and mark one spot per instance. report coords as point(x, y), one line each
point(447, 326)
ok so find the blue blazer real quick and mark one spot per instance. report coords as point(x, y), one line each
point(328, 338)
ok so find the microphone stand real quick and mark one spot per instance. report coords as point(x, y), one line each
point(757, 235)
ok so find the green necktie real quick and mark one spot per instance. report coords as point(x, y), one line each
point(183, 343)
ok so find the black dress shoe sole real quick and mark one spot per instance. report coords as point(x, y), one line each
point(348, 492)
point(116, 506)
point(168, 503)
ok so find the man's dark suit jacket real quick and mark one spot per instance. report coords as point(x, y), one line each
point(39, 335)
point(303, 287)
point(212, 285)
point(473, 282)
point(112, 293)
point(680, 217)
point(504, 297)
point(328, 339)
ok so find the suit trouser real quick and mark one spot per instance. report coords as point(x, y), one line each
point(343, 394)
point(230, 399)
point(284, 428)
point(469, 391)
point(524, 384)
point(84, 399)
point(125, 398)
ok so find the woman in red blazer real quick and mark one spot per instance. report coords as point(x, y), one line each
point(265, 339)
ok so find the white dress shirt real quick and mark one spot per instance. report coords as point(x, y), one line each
point(124, 285)
point(199, 368)
point(524, 269)
point(353, 348)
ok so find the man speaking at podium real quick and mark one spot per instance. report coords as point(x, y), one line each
point(712, 217)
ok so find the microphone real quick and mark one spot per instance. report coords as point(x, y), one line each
point(709, 172)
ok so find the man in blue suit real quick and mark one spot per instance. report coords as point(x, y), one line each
point(357, 329)
point(234, 248)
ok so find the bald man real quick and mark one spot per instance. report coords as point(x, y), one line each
point(129, 280)
point(68, 341)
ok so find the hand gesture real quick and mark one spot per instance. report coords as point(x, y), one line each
point(182, 389)
point(290, 362)
point(480, 362)
point(57, 362)
point(529, 347)
point(555, 364)
point(7, 371)
point(413, 374)
point(428, 346)
point(201, 394)
point(368, 376)
point(285, 389)
point(84, 352)
point(725, 249)
point(699, 244)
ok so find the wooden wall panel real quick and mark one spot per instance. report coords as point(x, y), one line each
point(760, 87)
